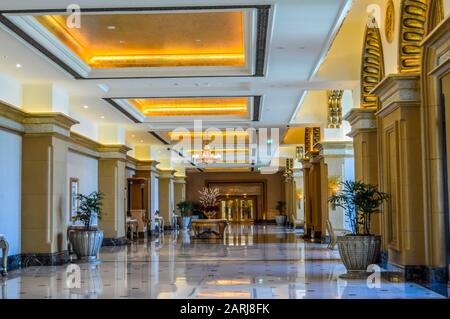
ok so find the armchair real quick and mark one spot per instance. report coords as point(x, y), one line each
point(332, 232)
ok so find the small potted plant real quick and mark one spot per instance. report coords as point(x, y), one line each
point(208, 201)
point(281, 217)
point(360, 248)
point(185, 207)
point(86, 242)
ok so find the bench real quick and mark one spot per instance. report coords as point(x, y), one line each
point(206, 226)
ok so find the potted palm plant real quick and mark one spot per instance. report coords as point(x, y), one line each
point(360, 248)
point(185, 207)
point(86, 242)
point(281, 217)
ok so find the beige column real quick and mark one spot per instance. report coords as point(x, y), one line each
point(111, 183)
point(166, 195)
point(365, 146)
point(315, 172)
point(148, 170)
point(45, 187)
point(435, 82)
point(400, 168)
point(306, 168)
point(179, 189)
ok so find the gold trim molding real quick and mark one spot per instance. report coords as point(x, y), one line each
point(372, 65)
point(412, 32)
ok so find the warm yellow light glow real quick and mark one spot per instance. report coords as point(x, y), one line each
point(158, 39)
point(223, 294)
point(209, 133)
point(225, 282)
point(192, 106)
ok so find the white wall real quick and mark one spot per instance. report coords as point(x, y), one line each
point(84, 168)
point(10, 91)
point(10, 189)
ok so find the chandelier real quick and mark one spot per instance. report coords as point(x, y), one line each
point(206, 156)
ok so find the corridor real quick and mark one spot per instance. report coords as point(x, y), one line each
point(250, 262)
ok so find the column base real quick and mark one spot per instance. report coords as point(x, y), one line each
point(45, 259)
point(121, 241)
point(14, 262)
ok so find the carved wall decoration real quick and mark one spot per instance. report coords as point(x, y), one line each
point(308, 139)
point(372, 65)
point(312, 137)
point(334, 108)
point(412, 32)
point(389, 22)
point(316, 136)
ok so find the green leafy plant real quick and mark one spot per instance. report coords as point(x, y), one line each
point(281, 207)
point(185, 207)
point(90, 206)
point(359, 201)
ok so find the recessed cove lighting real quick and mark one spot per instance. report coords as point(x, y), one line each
point(18, 65)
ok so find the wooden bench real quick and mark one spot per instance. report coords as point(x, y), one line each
point(206, 226)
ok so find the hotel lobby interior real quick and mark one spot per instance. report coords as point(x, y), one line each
point(259, 149)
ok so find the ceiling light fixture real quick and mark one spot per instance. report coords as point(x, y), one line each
point(85, 106)
point(111, 27)
point(18, 65)
point(102, 117)
point(206, 157)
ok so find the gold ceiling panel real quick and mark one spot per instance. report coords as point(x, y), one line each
point(295, 135)
point(154, 39)
point(199, 106)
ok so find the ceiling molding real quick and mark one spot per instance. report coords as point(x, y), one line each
point(261, 37)
point(122, 110)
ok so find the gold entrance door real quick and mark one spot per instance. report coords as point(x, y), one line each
point(238, 208)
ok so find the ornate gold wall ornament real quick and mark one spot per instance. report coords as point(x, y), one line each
point(308, 138)
point(312, 137)
point(372, 65)
point(316, 136)
point(389, 22)
point(412, 32)
point(334, 108)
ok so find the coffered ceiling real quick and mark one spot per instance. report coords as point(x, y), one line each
point(153, 66)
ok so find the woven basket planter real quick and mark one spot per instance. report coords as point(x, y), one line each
point(357, 253)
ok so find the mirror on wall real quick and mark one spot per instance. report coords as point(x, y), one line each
point(73, 191)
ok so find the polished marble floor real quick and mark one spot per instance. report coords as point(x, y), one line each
point(250, 262)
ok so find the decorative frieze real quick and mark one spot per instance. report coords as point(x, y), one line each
point(372, 64)
point(412, 32)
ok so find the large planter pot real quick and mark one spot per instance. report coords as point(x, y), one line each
point(357, 253)
point(86, 243)
point(281, 220)
point(186, 221)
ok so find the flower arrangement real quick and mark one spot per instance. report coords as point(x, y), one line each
point(208, 198)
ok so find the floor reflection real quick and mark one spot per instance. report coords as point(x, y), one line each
point(249, 262)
